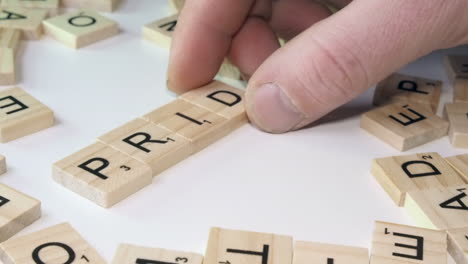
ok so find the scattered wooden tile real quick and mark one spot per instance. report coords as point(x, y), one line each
point(21, 114)
point(404, 126)
point(3, 166)
point(229, 70)
point(102, 174)
point(399, 175)
point(177, 5)
point(98, 5)
point(17, 210)
point(135, 254)
point(457, 115)
point(9, 42)
point(458, 245)
point(160, 31)
point(79, 29)
point(51, 6)
point(29, 21)
point(457, 69)
point(460, 164)
point(309, 252)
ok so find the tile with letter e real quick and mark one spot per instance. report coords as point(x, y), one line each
point(408, 89)
point(149, 143)
point(17, 211)
point(160, 31)
point(3, 167)
point(233, 246)
point(399, 244)
point(457, 115)
point(404, 126)
point(98, 5)
point(57, 244)
point(399, 175)
point(9, 41)
point(81, 28)
point(29, 21)
point(458, 244)
point(102, 174)
point(310, 252)
point(51, 6)
point(143, 255)
point(21, 114)
point(457, 69)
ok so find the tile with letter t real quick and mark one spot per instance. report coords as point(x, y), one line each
point(458, 244)
point(399, 244)
point(457, 69)
point(160, 31)
point(309, 252)
point(17, 211)
point(51, 6)
point(29, 21)
point(57, 244)
point(399, 175)
point(102, 174)
point(404, 126)
point(3, 166)
point(149, 143)
point(143, 255)
point(232, 246)
point(21, 114)
point(9, 42)
point(99, 5)
point(81, 28)
point(408, 89)
point(457, 115)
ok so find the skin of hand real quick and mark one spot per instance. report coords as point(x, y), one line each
point(329, 59)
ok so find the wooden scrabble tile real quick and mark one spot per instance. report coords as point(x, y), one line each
point(232, 246)
point(399, 88)
point(149, 143)
point(404, 126)
point(10, 39)
point(457, 115)
point(81, 28)
point(458, 244)
point(57, 244)
point(29, 21)
point(51, 6)
point(401, 174)
point(21, 114)
point(99, 5)
point(229, 70)
point(309, 252)
point(460, 164)
point(219, 98)
point(102, 174)
point(135, 254)
point(398, 244)
point(7, 67)
point(177, 5)
point(3, 167)
point(460, 90)
point(160, 31)
point(17, 210)
point(457, 69)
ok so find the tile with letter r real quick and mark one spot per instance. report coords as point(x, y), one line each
point(29, 21)
point(144, 255)
point(404, 126)
point(57, 244)
point(160, 31)
point(310, 252)
point(102, 174)
point(232, 246)
point(457, 115)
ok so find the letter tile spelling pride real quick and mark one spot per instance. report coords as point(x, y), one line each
point(404, 125)
point(81, 28)
point(99, 5)
point(29, 21)
point(457, 69)
point(50, 6)
point(457, 115)
point(9, 41)
point(125, 159)
point(309, 252)
point(404, 88)
point(21, 114)
point(142, 255)
point(56, 244)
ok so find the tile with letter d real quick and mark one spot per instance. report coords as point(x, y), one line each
point(102, 174)
point(143, 255)
point(231, 246)
point(310, 252)
point(160, 31)
point(29, 21)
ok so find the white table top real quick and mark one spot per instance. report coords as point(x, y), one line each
point(313, 184)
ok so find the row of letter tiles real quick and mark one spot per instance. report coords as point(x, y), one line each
point(124, 160)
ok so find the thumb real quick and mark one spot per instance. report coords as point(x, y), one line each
point(338, 58)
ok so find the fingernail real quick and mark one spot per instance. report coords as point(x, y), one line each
point(274, 111)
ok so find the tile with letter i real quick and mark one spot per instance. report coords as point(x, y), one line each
point(9, 41)
point(404, 126)
point(457, 115)
point(160, 31)
point(310, 252)
point(99, 5)
point(399, 175)
point(57, 244)
point(143, 255)
point(404, 88)
point(232, 246)
point(81, 28)
point(102, 174)
point(29, 21)
point(457, 69)
point(21, 114)
point(399, 244)
point(17, 211)
point(457, 244)
point(3, 166)
point(51, 6)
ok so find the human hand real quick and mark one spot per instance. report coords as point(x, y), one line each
point(329, 60)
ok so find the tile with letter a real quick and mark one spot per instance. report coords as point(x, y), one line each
point(399, 244)
point(232, 246)
point(21, 114)
point(143, 255)
point(458, 244)
point(51, 6)
point(149, 143)
point(99, 5)
point(3, 166)
point(457, 69)
point(399, 175)
point(460, 164)
point(57, 244)
point(408, 89)
point(81, 28)
point(160, 31)
point(17, 211)
point(9, 41)
point(457, 115)
point(102, 174)
point(310, 252)
point(29, 21)
point(404, 126)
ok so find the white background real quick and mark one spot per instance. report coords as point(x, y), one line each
point(313, 184)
